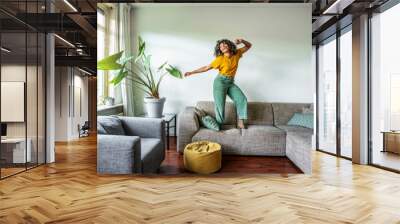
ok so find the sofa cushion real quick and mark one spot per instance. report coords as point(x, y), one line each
point(299, 129)
point(302, 119)
point(111, 124)
point(152, 154)
point(230, 110)
point(284, 111)
point(260, 113)
point(100, 129)
point(262, 140)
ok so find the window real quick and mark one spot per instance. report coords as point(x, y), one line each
point(22, 87)
point(106, 45)
point(327, 96)
point(101, 28)
point(385, 88)
point(334, 106)
point(346, 94)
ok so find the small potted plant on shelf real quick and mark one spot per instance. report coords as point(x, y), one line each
point(142, 74)
point(109, 101)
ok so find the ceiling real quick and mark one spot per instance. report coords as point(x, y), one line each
point(75, 21)
point(326, 13)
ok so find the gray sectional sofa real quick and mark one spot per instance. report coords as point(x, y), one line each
point(128, 145)
point(267, 134)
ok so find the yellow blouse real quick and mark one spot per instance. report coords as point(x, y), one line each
point(227, 65)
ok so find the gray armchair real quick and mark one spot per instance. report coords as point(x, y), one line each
point(129, 144)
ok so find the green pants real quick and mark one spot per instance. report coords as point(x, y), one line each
point(225, 86)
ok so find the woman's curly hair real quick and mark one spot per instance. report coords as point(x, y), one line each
point(231, 46)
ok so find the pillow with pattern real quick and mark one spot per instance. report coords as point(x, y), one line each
point(206, 120)
point(210, 123)
point(302, 119)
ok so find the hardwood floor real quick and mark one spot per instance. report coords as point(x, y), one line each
point(387, 159)
point(173, 164)
point(70, 191)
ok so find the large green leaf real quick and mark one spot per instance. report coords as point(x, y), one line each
point(174, 72)
point(141, 48)
point(126, 59)
point(147, 59)
point(110, 62)
point(122, 73)
point(159, 82)
point(149, 72)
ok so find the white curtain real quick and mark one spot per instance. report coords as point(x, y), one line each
point(132, 98)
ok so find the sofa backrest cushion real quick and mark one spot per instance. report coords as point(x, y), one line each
point(230, 111)
point(111, 124)
point(284, 111)
point(100, 129)
point(260, 113)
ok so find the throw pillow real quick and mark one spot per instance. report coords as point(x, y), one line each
point(111, 124)
point(210, 123)
point(302, 119)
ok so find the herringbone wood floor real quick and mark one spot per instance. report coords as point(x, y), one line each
point(70, 191)
point(173, 163)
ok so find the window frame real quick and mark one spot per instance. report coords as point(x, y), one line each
point(334, 37)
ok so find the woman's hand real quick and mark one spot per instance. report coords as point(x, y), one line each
point(247, 45)
point(188, 74)
point(238, 41)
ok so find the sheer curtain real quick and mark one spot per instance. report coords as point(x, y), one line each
point(132, 98)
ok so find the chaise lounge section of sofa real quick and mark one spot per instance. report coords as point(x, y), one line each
point(267, 134)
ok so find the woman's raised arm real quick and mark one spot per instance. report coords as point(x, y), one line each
point(247, 45)
point(199, 70)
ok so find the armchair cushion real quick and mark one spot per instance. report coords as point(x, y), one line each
point(111, 125)
point(100, 129)
point(153, 154)
point(118, 154)
point(143, 127)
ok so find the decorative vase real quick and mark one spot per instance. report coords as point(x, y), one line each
point(154, 107)
point(109, 101)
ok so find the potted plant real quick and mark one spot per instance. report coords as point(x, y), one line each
point(142, 74)
point(109, 101)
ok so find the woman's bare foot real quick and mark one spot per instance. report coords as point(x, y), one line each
point(241, 124)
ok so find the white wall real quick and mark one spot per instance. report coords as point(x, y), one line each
point(34, 125)
point(277, 68)
point(67, 115)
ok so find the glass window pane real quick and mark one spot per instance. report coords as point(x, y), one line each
point(100, 54)
point(41, 99)
point(346, 94)
point(327, 96)
point(385, 82)
point(31, 97)
point(14, 153)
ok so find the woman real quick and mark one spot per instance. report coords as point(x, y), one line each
point(227, 61)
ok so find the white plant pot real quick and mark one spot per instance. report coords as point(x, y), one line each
point(154, 107)
point(110, 102)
